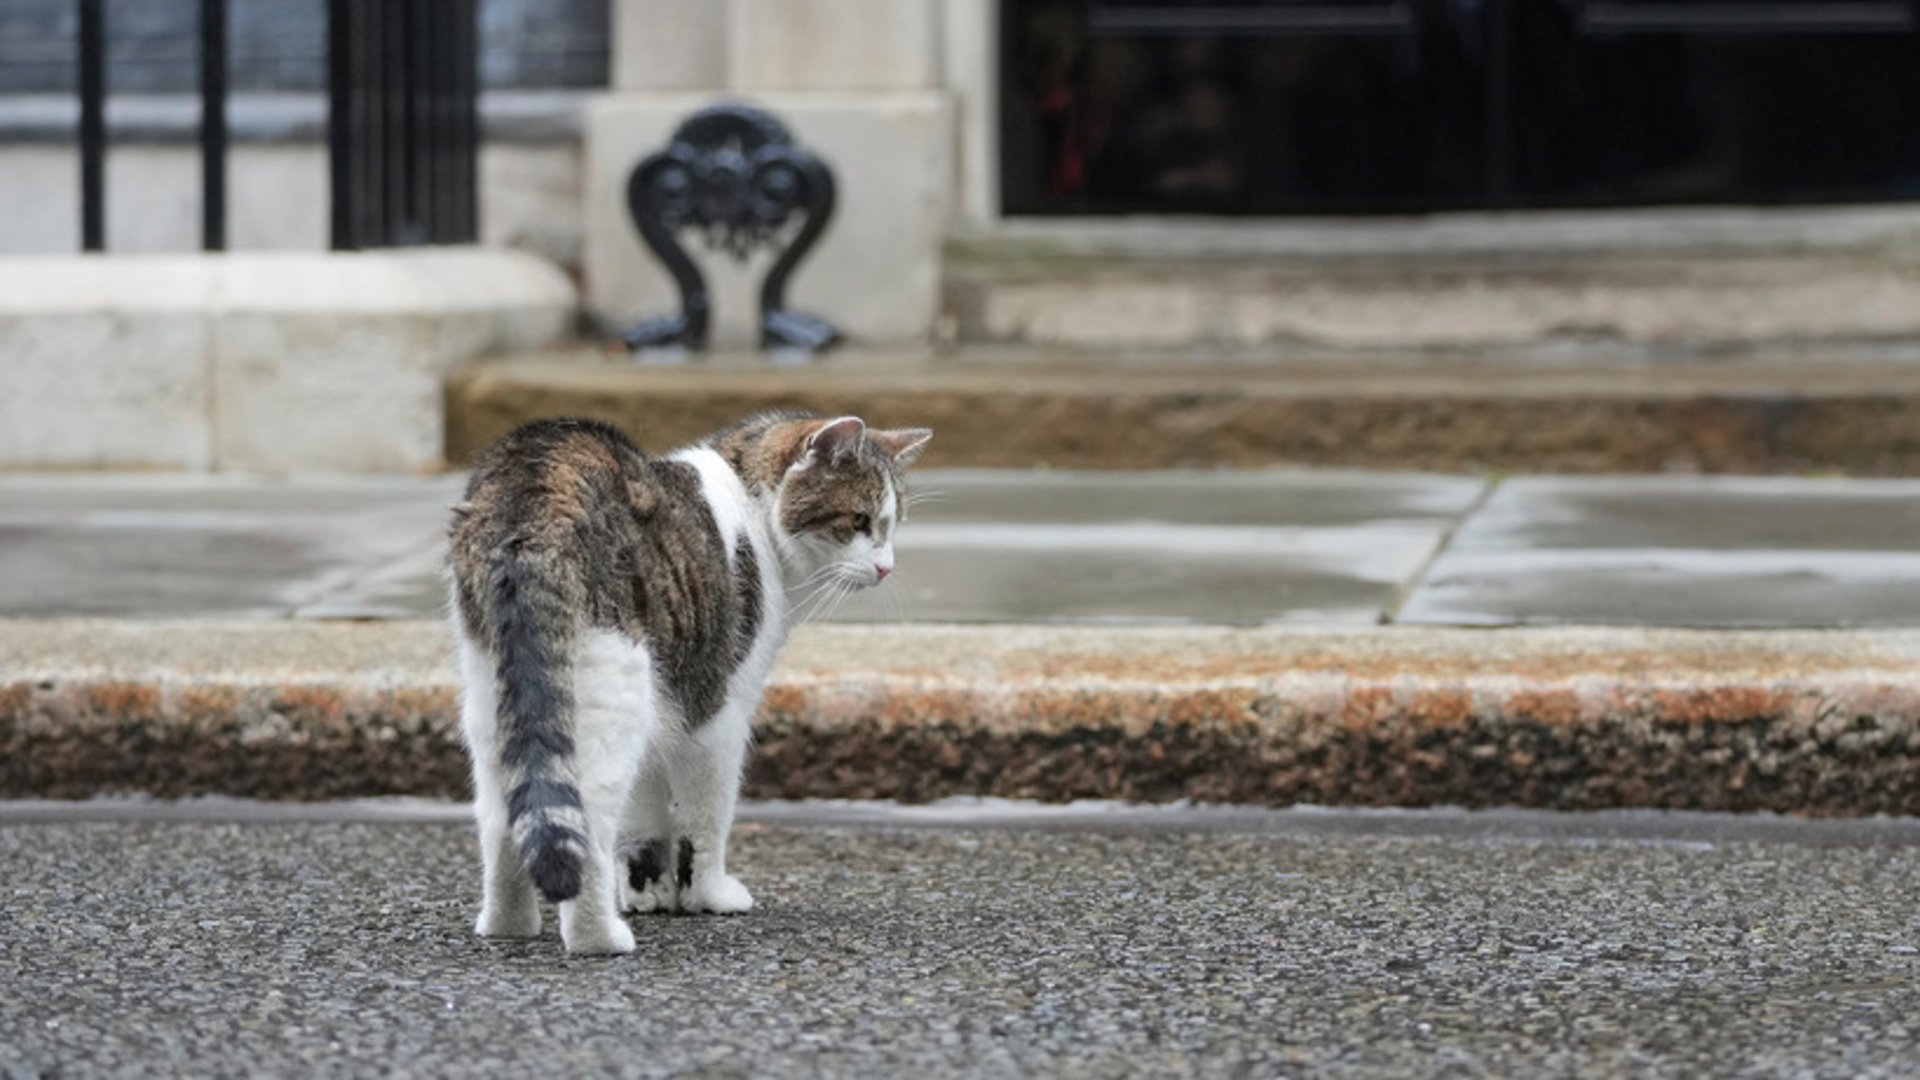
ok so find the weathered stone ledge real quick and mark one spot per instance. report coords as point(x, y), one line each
point(1816, 722)
point(1787, 414)
point(1638, 294)
point(271, 362)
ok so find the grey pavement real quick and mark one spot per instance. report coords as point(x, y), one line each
point(1260, 547)
point(224, 939)
point(1680, 551)
point(96, 545)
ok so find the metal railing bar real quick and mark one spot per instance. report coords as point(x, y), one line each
point(341, 171)
point(370, 85)
point(418, 108)
point(404, 121)
point(437, 150)
point(466, 129)
point(393, 47)
point(213, 125)
point(93, 127)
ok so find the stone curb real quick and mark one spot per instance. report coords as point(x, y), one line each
point(1784, 416)
point(1816, 722)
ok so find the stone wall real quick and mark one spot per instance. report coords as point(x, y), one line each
point(276, 363)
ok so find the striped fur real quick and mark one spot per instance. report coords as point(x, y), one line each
point(533, 634)
point(617, 615)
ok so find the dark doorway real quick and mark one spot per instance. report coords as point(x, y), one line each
point(1388, 106)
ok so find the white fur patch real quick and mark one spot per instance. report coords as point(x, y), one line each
point(477, 721)
point(737, 514)
point(726, 496)
point(616, 716)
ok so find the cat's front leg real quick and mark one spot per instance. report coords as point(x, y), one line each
point(706, 787)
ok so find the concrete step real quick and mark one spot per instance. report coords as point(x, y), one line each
point(1647, 282)
point(1851, 409)
point(1817, 722)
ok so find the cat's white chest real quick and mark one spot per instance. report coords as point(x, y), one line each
point(736, 517)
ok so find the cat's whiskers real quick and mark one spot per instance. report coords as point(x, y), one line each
point(826, 599)
point(807, 608)
point(841, 579)
point(818, 575)
point(844, 590)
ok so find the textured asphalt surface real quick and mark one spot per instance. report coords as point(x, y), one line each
point(889, 944)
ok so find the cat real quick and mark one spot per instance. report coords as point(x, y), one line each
point(615, 616)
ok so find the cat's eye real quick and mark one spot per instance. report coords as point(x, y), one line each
point(861, 523)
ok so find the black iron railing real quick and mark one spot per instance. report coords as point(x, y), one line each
point(93, 125)
point(402, 84)
point(213, 124)
point(403, 132)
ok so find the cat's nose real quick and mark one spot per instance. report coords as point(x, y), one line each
point(880, 572)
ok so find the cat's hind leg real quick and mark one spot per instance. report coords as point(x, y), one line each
point(613, 720)
point(509, 906)
point(651, 883)
point(705, 770)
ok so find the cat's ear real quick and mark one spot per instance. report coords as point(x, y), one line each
point(836, 439)
point(903, 445)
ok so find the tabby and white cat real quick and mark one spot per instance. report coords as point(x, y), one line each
point(616, 616)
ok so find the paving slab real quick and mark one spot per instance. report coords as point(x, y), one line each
point(1281, 546)
point(1257, 547)
point(184, 546)
point(1266, 547)
point(1312, 944)
point(1682, 551)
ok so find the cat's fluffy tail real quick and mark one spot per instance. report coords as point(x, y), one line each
point(533, 622)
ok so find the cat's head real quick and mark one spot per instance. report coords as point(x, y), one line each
point(843, 498)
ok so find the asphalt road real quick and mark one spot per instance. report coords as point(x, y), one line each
point(332, 942)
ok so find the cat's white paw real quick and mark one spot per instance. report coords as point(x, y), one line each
point(716, 894)
point(649, 884)
point(610, 938)
point(521, 922)
point(656, 897)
